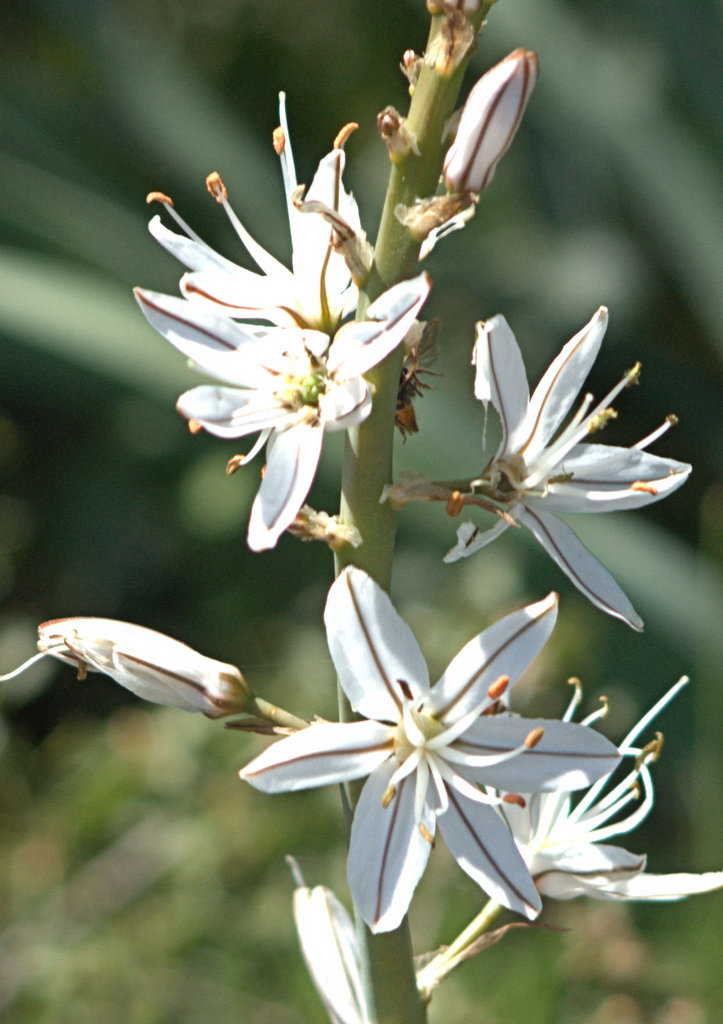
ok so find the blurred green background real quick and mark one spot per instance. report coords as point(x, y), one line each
point(140, 881)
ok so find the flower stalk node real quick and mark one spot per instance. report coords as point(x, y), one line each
point(399, 140)
point(452, 43)
point(411, 66)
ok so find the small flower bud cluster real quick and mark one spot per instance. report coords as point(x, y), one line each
point(490, 119)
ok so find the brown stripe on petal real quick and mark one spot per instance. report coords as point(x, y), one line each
point(480, 846)
point(171, 316)
point(388, 683)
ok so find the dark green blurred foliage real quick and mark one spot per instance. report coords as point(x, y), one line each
point(140, 882)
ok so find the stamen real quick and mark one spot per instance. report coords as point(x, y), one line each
point(26, 664)
point(159, 197)
point(388, 795)
point(643, 487)
point(651, 751)
point(279, 140)
point(514, 798)
point(344, 134)
point(216, 187)
point(670, 421)
point(534, 737)
point(195, 426)
point(82, 671)
point(633, 374)
point(234, 463)
point(601, 420)
point(455, 504)
point(600, 713)
point(576, 698)
point(426, 834)
point(497, 688)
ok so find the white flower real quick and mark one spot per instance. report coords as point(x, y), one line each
point(288, 383)
point(318, 291)
point(331, 952)
point(149, 664)
point(563, 843)
point(490, 118)
point(426, 749)
point(537, 474)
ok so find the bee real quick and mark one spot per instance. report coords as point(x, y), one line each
point(420, 349)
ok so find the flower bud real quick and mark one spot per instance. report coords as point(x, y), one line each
point(149, 664)
point(490, 118)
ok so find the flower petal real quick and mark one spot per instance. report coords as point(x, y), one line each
point(607, 478)
point(346, 405)
point(500, 377)
point(470, 539)
point(584, 870)
point(568, 756)
point(387, 851)
point(331, 951)
point(567, 550)
point(323, 754)
point(227, 350)
point(483, 847)
point(555, 394)
point(360, 345)
point(506, 648)
point(291, 460)
point(372, 647)
point(230, 412)
point(244, 294)
point(661, 887)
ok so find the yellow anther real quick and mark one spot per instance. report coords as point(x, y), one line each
point(534, 737)
point(426, 834)
point(633, 374)
point(279, 140)
point(388, 795)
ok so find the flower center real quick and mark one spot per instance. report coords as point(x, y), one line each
point(427, 727)
point(302, 390)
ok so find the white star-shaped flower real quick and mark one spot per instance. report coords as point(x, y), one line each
point(290, 384)
point(538, 474)
point(563, 841)
point(426, 750)
point(318, 291)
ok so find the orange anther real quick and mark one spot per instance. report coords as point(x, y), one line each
point(534, 737)
point(514, 798)
point(234, 463)
point(455, 504)
point(195, 427)
point(344, 134)
point(645, 488)
point(498, 687)
point(159, 197)
point(279, 141)
point(216, 187)
point(426, 834)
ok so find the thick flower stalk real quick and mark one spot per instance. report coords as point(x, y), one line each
point(318, 291)
point(538, 474)
point(149, 664)
point(563, 840)
point(288, 384)
point(427, 749)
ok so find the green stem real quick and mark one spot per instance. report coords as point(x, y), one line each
point(391, 980)
point(436, 969)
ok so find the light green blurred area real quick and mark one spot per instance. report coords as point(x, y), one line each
point(140, 881)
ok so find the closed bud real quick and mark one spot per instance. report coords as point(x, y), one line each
point(149, 664)
point(490, 119)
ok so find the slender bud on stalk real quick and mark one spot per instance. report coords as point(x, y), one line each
point(489, 122)
point(149, 664)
